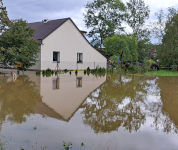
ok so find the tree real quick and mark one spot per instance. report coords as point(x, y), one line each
point(166, 30)
point(137, 14)
point(4, 20)
point(124, 47)
point(104, 17)
point(17, 46)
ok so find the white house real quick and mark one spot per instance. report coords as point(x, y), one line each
point(61, 41)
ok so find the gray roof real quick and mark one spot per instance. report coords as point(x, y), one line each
point(44, 29)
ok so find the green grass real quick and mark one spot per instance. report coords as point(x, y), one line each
point(162, 73)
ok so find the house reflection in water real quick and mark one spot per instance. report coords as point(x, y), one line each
point(63, 102)
point(56, 83)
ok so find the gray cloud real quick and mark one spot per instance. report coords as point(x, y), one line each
point(55, 9)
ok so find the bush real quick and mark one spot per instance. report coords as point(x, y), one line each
point(137, 68)
point(174, 67)
point(38, 72)
point(76, 72)
point(88, 69)
point(48, 71)
point(65, 70)
point(44, 72)
point(101, 69)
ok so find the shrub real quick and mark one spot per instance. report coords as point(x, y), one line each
point(65, 70)
point(38, 72)
point(76, 72)
point(137, 68)
point(101, 69)
point(48, 71)
point(44, 72)
point(85, 72)
point(174, 67)
point(88, 69)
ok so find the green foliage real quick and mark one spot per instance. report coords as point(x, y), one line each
point(17, 47)
point(162, 73)
point(88, 69)
point(67, 146)
point(169, 50)
point(137, 14)
point(150, 62)
point(101, 70)
point(76, 72)
point(146, 66)
point(174, 67)
point(4, 20)
point(34, 128)
point(85, 72)
point(65, 70)
point(123, 46)
point(104, 17)
point(38, 72)
point(48, 71)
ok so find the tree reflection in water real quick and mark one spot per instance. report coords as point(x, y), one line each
point(127, 102)
point(116, 103)
point(17, 99)
point(166, 115)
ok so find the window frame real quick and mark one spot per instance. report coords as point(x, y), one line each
point(79, 57)
point(58, 56)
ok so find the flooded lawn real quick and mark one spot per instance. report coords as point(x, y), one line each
point(113, 112)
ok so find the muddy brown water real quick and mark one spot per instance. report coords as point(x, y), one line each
point(115, 112)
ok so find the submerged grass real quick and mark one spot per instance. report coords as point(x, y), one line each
point(162, 73)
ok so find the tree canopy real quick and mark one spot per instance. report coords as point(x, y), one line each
point(4, 20)
point(17, 48)
point(169, 51)
point(104, 17)
point(137, 13)
point(122, 46)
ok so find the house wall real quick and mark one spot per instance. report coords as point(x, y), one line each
point(69, 41)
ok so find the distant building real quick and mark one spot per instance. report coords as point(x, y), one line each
point(151, 53)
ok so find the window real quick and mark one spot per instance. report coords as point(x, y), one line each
point(56, 56)
point(55, 83)
point(79, 57)
point(79, 82)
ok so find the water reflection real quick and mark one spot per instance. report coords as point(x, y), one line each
point(17, 99)
point(75, 108)
point(129, 101)
point(72, 93)
point(116, 103)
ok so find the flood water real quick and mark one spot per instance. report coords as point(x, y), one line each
point(106, 112)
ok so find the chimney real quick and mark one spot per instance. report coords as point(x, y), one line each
point(45, 20)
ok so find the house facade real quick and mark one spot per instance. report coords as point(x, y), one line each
point(64, 46)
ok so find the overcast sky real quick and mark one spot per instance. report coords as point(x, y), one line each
point(37, 10)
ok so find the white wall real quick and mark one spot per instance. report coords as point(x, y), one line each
point(69, 41)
